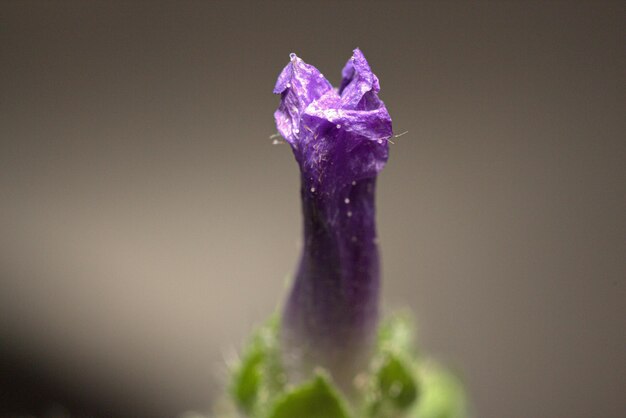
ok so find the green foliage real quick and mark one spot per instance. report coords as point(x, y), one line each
point(315, 399)
point(442, 396)
point(393, 385)
point(399, 384)
point(397, 334)
point(396, 388)
point(247, 381)
point(259, 377)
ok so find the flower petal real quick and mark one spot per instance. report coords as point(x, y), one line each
point(359, 86)
point(298, 84)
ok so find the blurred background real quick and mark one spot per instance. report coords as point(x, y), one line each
point(147, 223)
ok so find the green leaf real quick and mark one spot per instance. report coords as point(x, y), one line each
point(259, 377)
point(442, 396)
point(314, 399)
point(247, 379)
point(396, 334)
point(396, 383)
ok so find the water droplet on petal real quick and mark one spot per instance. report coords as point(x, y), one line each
point(338, 126)
point(380, 141)
point(346, 200)
point(293, 56)
point(296, 130)
point(349, 214)
point(312, 189)
point(353, 183)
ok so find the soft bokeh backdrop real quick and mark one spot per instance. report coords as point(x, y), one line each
point(147, 222)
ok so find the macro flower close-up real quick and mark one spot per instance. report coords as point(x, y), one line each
point(312, 209)
point(326, 354)
point(340, 140)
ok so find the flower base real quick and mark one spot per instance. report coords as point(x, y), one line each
point(400, 382)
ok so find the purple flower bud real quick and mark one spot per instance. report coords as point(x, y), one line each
point(339, 138)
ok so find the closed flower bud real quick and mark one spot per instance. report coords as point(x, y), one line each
point(339, 138)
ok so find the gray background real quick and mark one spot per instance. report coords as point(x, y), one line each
point(147, 223)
